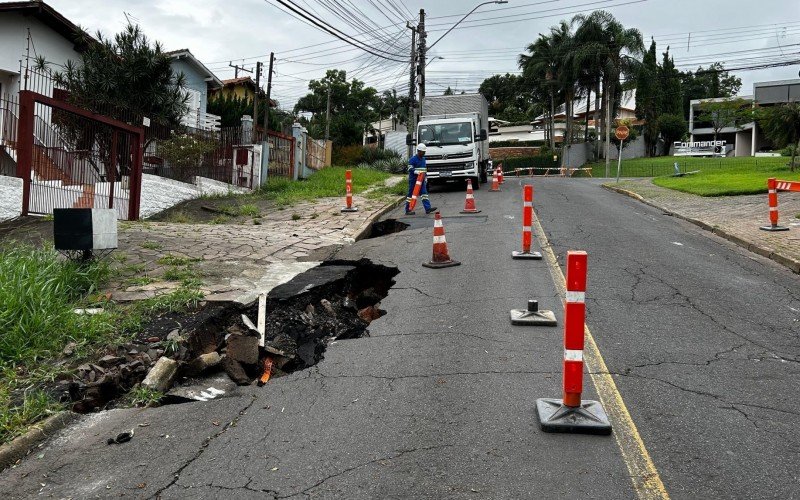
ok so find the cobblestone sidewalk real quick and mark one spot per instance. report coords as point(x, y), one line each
point(736, 218)
point(235, 262)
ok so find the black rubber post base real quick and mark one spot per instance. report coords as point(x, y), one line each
point(470, 212)
point(588, 418)
point(526, 255)
point(521, 317)
point(441, 265)
point(352, 209)
point(774, 228)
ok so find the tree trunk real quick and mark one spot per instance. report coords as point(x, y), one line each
point(609, 98)
point(552, 122)
point(597, 120)
point(586, 127)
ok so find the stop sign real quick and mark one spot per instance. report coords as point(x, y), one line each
point(622, 132)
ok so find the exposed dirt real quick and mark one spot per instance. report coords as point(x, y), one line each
point(386, 227)
point(228, 210)
point(337, 300)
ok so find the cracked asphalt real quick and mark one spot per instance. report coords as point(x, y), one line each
point(701, 338)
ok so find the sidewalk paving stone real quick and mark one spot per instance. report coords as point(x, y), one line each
point(235, 261)
point(735, 218)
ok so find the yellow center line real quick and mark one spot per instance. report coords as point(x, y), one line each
point(643, 473)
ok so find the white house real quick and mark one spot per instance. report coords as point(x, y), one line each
point(36, 29)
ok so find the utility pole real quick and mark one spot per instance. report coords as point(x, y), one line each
point(269, 92)
point(423, 35)
point(412, 84)
point(328, 115)
point(237, 68)
point(255, 99)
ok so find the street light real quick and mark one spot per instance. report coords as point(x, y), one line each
point(460, 20)
point(433, 59)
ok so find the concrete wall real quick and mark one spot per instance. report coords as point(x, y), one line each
point(511, 152)
point(13, 44)
point(744, 143)
point(159, 193)
point(577, 155)
point(10, 197)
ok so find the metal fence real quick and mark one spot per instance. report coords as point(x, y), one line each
point(281, 154)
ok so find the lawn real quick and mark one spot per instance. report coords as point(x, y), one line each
point(39, 292)
point(714, 177)
point(664, 165)
point(328, 182)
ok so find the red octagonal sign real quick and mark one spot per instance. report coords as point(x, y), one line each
point(622, 132)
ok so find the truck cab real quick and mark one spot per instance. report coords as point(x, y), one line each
point(454, 149)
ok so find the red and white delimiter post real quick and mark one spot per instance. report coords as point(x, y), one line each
point(773, 186)
point(571, 413)
point(348, 185)
point(527, 223)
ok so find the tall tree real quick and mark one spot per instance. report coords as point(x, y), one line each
point(712, 82)
point(781, 125)
point(127, 77)
point(540, 67)
point(671, 92)
point(616, 48)
point(722, 114)
point(649, 98)
point(353, 107)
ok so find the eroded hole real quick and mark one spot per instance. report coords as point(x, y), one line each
point(213, 349)
point(386, 227)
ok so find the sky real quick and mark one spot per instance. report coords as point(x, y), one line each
point(739, 33)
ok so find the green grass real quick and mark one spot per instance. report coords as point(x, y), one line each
point(175, 260)
point(38, 293)
point(663, 165)
point(326, 183)
point(144, 397)
point(398, 189)
point(151, 245)
point(731, 180)
point(179, 273)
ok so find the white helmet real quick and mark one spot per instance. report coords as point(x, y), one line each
point(422, 147)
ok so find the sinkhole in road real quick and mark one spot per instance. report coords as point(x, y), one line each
point(386, 227)
point(213, 348)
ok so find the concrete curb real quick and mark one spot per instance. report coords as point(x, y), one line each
point(783, 260)
point(19, 447)
point(363, 231)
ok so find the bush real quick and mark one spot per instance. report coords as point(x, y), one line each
point(541, 161)
point(353, 155)
point(516, 144)
point(789, 150)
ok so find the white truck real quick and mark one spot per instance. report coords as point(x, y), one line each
point(455, 130)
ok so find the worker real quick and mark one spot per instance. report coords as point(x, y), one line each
point(416, 165)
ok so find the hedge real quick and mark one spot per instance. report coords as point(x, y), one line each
point(510, 164)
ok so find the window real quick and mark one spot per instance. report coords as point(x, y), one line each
point(446, 134)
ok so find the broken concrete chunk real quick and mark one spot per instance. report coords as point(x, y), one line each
point(161, 375)
point(243, 349)
point(369, 314)
point(174, 335)
point(109, 360)
point(203, 363)
point(326, 304)
point(235, 371)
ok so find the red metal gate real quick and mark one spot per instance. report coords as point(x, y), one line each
point(69, 157)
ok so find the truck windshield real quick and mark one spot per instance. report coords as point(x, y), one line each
point(443, 134)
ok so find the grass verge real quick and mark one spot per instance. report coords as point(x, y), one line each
point(326, 183)
point(39, 292)
point(733, 180)
point(664, 165)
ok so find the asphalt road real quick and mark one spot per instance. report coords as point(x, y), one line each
point(700, 336)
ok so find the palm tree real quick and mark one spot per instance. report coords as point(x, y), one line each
point(607, 42)
point(540, 67)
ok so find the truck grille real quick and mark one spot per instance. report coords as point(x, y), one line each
point(449, 157)
point(447, 166)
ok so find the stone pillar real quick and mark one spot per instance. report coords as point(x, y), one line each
point(298, 132)
point(247, 129)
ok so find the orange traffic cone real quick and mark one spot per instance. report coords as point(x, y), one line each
point(441, 257)
point(500, 177)
point(469, 203)
point(495, 181)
